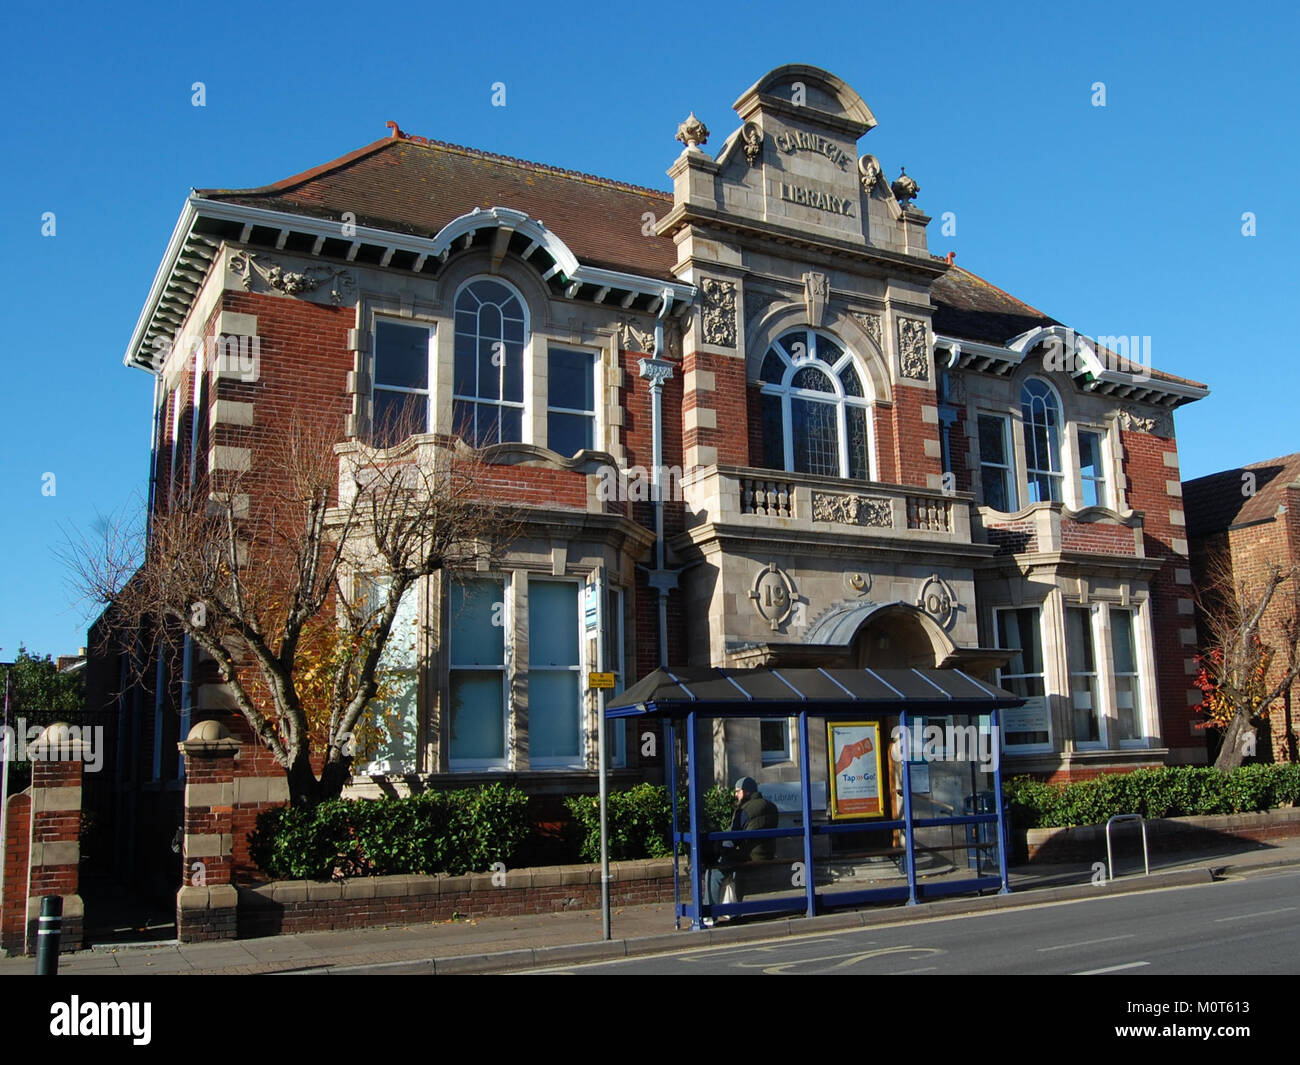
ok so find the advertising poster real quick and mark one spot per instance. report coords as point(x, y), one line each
point(854, 751)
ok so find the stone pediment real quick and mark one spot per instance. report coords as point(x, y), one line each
point(808, 95)
point(793, 167)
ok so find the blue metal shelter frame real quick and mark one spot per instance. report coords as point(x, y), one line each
point(684, 697)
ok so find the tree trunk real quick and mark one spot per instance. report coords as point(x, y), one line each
point(305, 789)
point(1238, 741)
point(334, 778)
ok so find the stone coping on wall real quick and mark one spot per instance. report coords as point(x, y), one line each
point(412, 885)
point(286, 906)
point(1085, 842)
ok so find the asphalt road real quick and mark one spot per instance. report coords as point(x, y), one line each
point(1247, 924)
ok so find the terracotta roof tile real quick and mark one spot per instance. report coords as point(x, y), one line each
point(416, 186)
point(1215, 502)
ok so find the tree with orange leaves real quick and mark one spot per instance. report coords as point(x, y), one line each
point(289, 576)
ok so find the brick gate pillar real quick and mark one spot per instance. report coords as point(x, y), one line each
point(54, 853)
point(207, 902)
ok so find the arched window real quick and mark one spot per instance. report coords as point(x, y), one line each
point(1041, 412)
point(816, 413)
point(488, 380)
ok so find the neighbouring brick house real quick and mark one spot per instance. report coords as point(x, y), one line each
point(877, 458)
point(1248, 517)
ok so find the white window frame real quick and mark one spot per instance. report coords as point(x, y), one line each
point(1008, 468)
point(836, 398)
point(1055, 476)
point(431, 330)
point(374, 586)
point(596, 357)
point(1137, 623)
point(1097, 675)
point(1101, 482)
point(560, 762)
point(470, 765)
point(1028, 748)
point(527, 367)
point(772, 755)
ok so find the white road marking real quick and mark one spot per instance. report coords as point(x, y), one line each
point(1113, 968)
point(1084, 943)
point(1262, 913)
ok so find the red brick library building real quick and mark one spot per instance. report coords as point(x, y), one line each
point(871, 456)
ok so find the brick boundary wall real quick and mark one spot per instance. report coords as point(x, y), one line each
point(289, 906)
point(13, 924)
point(1086, 843)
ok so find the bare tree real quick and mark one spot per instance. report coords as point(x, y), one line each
point(1235, 668)
point(289, 575)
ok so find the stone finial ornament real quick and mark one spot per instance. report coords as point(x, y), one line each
point(904, 188)
point(693, 132)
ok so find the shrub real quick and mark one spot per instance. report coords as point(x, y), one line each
point(433, 832)
point(639, 820)
point(1174, 791)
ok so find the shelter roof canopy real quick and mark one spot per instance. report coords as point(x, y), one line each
point(835, 693)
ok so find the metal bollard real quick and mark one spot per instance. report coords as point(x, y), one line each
point(48, 932)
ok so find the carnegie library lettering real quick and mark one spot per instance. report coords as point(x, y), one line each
point(816, 198)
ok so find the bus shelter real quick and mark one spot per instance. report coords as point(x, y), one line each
point(909, 773)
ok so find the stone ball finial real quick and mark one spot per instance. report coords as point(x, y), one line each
point(693, 132)
point(208, 732)
point(57, 734)
point(904, 188)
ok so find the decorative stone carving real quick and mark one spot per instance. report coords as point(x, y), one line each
point(869, 172)
point(631, 337)
point(853, 510)
point(938, 600)
point(857, 583)
point(693, 132)
point(753, 138)
point(248, 264)
point(913, 358)
point(719, 312)
point(1134, 422)
point(871, 323)
point(773, 595)
point(904, 188)
point(673, 337)
point(816, 291)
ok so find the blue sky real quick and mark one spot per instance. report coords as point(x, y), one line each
point(1124, 219)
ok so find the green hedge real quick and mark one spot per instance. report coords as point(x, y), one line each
point(639, 819)
point(1176, 791)
point(433, 832)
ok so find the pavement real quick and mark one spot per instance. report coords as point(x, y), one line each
point(502, 944)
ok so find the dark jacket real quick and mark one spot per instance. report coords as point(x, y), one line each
point(754, 813)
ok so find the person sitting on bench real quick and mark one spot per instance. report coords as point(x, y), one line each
point(752, 812)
